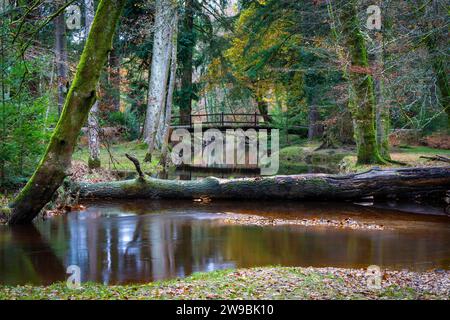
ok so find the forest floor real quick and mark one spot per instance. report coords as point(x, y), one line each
point(294, 159)
point(258, 283)
point(343, 160)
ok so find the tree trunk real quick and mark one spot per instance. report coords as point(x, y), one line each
point(62, 67)
point(56, 162)
point(262, 105)
point(94, 137)
point(382, 109)
point(159, 70)
point(114, 77)
point(377, 183)
point(314, 127)
point(93, 124)
point(438, 57)
point(362, 99)
point(173, 74)
point(187, 44)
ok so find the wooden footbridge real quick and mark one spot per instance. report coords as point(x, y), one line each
point(224, 121)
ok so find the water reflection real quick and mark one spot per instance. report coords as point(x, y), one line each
point(149, 240)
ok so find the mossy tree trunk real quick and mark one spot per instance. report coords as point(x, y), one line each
point(383, 117)
point(55, 164)
point(362, 99)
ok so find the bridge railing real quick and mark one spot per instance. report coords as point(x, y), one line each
point(221, 119)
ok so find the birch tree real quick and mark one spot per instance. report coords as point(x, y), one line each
point(164, 14)
point(93, 125)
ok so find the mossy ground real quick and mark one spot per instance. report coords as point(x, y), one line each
point(256, 283)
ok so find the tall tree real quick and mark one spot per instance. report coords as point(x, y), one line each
point(93, 123)
point(56, 162)
point(382, 112)
point(62, 66)
point(435, 29)
point(114, 77)
point(164, 14)
point(362, 103)
point(169, 102)
point(187, 44)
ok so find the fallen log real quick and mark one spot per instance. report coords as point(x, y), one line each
point(376, 182)
point(437, 158)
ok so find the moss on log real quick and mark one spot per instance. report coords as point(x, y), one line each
point(378, 183)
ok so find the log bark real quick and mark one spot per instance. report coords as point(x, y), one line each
point(377, 183)
point(55, 164)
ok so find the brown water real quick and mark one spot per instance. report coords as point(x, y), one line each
point(117, 243)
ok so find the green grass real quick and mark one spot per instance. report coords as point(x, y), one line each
point(422, 149)
point(256, 283)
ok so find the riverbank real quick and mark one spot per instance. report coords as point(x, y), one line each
point(258, 283)
point(299, 157)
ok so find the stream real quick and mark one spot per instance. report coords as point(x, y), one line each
point(142, 241)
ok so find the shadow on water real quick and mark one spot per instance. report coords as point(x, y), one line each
point(142, 241)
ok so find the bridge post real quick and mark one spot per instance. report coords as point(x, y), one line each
point(256, 119)
point(222, 119)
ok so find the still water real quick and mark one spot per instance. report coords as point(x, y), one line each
point(142, 241)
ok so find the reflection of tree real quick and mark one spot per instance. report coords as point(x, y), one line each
point(171, 241)
point(36, 260)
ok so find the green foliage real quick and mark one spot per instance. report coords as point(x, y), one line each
point(128, 120)
point(25, 116)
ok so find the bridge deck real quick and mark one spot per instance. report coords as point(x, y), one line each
point(224, 121)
